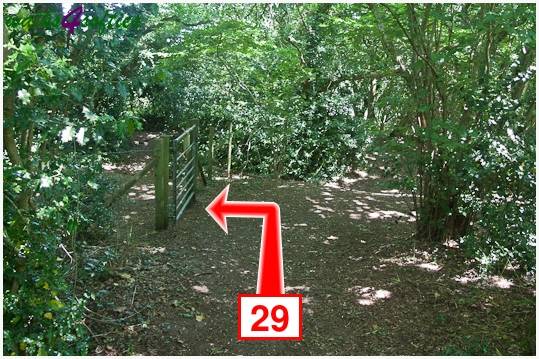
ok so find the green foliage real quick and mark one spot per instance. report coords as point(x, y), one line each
point(440, 98)
point(67, 104)
point(237, 70)
point(97, 265)
point(500, 191)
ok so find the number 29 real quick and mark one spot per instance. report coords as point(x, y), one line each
point(281, 321)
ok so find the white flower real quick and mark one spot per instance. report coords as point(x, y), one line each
point(86, 111)
point(24, 96)
point(89, 114)
point(80, 136)
point(511, 135)
point(46, 182)
point(67, 134)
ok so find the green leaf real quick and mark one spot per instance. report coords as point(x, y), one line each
point(122, 89)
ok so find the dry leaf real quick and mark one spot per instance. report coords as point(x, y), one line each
point(201, 288)
point(199, 317)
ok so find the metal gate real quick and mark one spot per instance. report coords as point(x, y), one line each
point(184, 169)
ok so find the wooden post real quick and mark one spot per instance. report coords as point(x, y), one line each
point(194, 150)
point(197, 157)
point(174, 161)
point(186, 142)
point(211, 134)
point(229, 164)
point(161, 182)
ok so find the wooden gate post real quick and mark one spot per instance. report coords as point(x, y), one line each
point(229, 163)
point(186, 142)
point(197, 167)
point(161, 182)
point(210, 154)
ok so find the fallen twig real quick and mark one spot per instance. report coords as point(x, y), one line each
point(203, 273)
point(133, 297)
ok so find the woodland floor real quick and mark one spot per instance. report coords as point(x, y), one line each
point(368, 287)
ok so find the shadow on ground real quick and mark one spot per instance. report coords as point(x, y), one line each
point(369, 288)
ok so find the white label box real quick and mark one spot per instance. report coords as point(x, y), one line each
point(262, 317)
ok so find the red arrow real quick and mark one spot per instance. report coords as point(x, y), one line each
point(270, 266)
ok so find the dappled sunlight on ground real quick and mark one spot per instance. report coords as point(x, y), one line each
point(144, 192)
point(132, 167)
point(422, 261)
point(495, 281)
point(369, 295)
point(153, 250)
point(365, 175)
point(432, 267)
point(292, 184)
point(500, 282)
point(364, 207)
point(320, 209)
point(330, 239)
point(374, 205)
point(389, 214)
point(300, 288)
point(358, 175)
point(285, 226)
point(333, 240)
point(134, 159)
point(234, 177)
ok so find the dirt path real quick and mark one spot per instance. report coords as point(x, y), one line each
point(368, 288)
